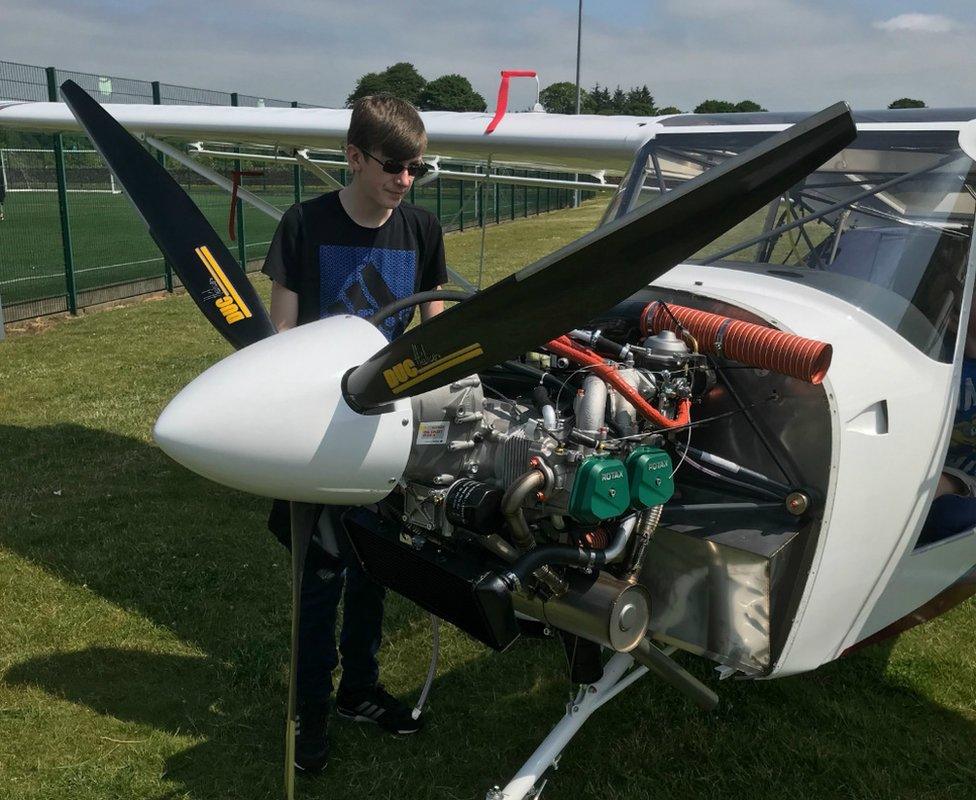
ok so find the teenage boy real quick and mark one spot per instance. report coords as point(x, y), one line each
point(352, 252)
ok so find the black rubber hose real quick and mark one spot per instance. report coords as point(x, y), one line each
point(535, 375)
point(601, 343)
point(416, 299)
point(605, 345)
point(550, 554)
point(541, 397)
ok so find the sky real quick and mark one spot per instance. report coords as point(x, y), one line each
point(784, 54)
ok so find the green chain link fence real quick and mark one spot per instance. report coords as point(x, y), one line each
point(70, 239)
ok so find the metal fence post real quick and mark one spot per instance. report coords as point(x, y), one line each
point(461, 201)
point(69, 261)
point(296, 171)
point(161, 158)
point(513, 199)
point(494, 188)
point(481, 204)
point(439, 201)
point(241, 241)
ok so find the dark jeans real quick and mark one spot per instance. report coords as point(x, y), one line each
point(948, 516)
point(362, 622)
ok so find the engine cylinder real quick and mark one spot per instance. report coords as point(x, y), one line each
point(591, 405)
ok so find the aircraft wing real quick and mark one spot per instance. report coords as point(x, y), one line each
point(585, 142)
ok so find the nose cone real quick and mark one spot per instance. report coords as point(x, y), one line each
point(270, 419)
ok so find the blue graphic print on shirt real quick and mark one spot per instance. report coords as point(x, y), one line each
point(361, 280)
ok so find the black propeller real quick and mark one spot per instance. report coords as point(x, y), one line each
point(219, 287)
point(566, 288)
point(209, 272)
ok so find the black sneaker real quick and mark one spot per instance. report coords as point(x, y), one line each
point(380, 707)
point(311, 739)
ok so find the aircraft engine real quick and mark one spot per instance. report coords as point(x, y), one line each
point(537, 486)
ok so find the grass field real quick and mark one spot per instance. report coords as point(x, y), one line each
point(144, 627)
point(110, 243)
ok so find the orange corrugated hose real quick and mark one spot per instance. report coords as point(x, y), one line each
point(745, 342)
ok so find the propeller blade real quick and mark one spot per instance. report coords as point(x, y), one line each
point(566, 288)
point(209, 272)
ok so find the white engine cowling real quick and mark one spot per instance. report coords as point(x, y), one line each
point(271, 419)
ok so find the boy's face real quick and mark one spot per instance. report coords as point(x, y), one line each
point(384, 189)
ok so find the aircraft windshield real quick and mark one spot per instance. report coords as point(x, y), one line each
point(886, 224)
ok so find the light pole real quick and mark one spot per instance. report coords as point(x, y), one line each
point(579, 42)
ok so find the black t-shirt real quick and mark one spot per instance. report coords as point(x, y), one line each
point(338, 267)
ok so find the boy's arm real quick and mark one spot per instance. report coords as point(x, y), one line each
point(435, 271)
point(427, 310)
point(283, 265)
point(284, 307)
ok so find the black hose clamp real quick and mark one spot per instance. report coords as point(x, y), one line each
point(720, 336)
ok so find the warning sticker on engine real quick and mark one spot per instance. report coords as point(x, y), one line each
point(433, 432)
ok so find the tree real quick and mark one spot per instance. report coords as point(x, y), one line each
point(370, 83)
point(451, 93)
point(726, 107)
point(748, 105)
point(560, 98)
point(405, 82)
point(602, 102)
point(640, 102)
point(618, 102)
point(714, 107)
point(907, 102)
point(401, 80)
point(669, 110)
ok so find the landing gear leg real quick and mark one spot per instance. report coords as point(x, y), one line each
point(529, 782)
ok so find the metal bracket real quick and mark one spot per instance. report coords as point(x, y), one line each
point(214, 177)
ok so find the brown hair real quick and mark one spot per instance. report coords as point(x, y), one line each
point(386, 124)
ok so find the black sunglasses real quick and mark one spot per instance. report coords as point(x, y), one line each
point(396, 167)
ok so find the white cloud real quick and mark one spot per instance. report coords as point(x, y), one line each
point(919, 23)
point(784, 54)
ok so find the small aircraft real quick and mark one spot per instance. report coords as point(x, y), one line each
point(715, 424)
